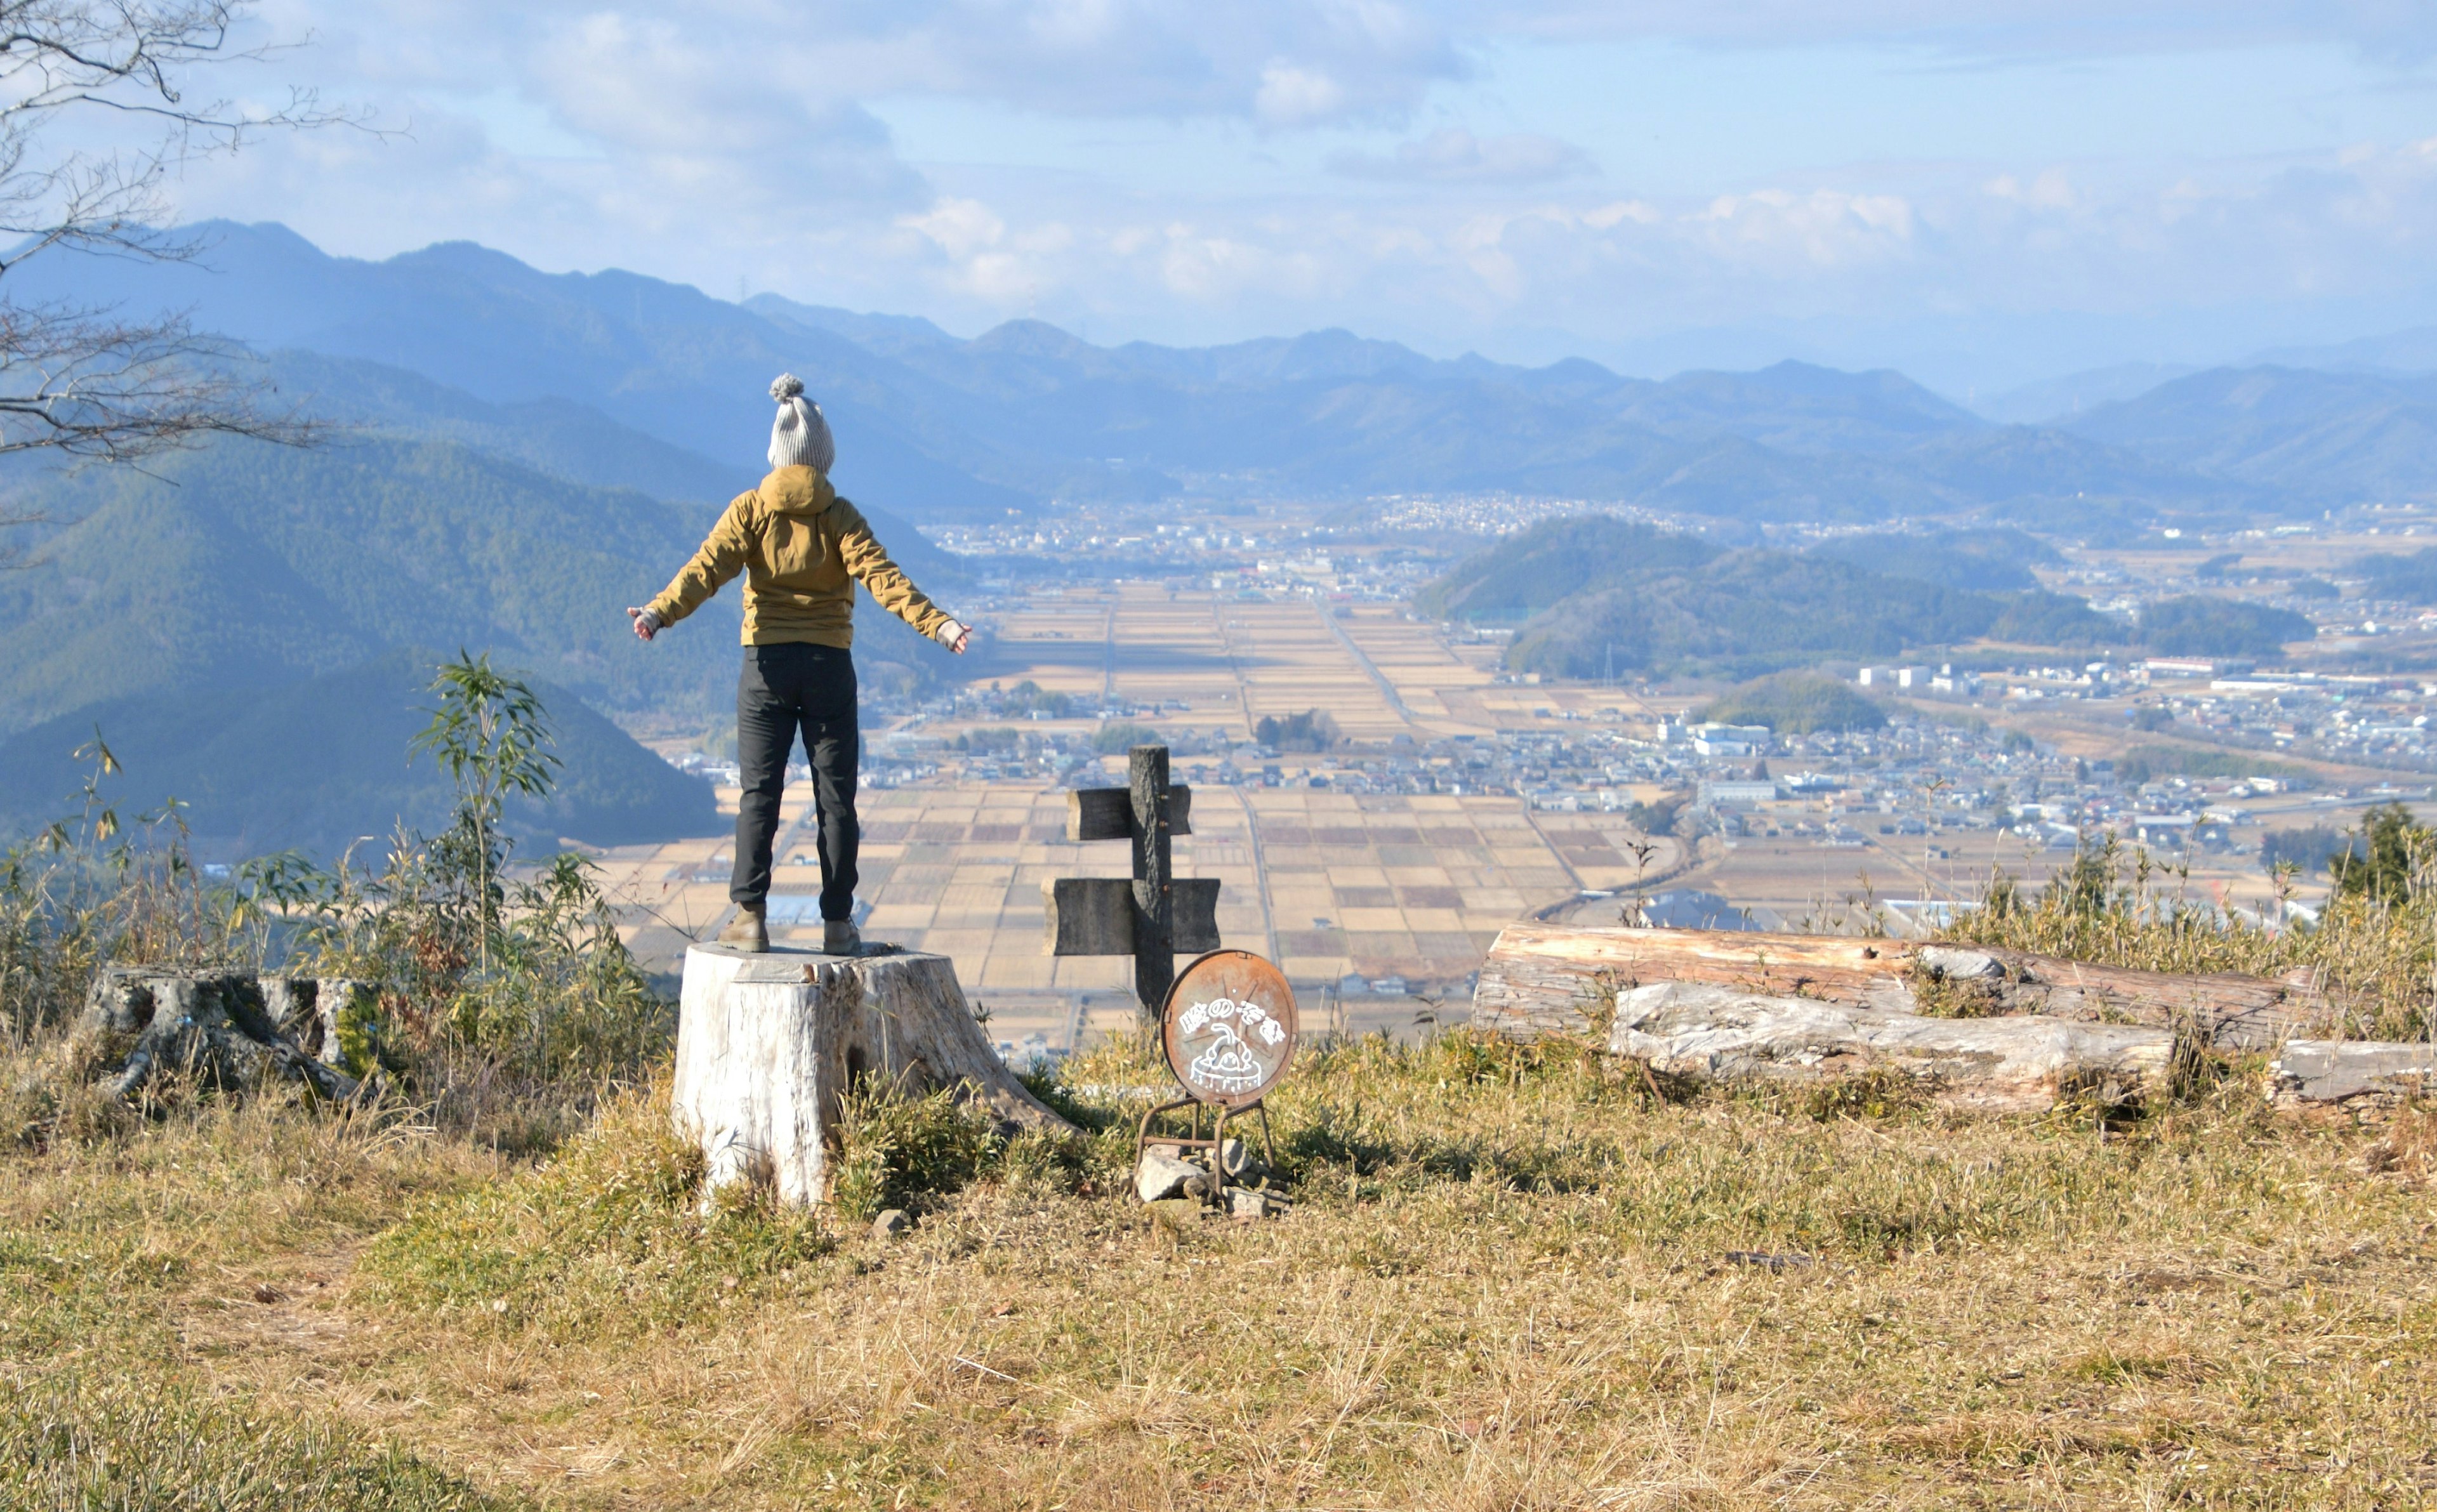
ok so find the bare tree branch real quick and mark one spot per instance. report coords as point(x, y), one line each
point(88, 382)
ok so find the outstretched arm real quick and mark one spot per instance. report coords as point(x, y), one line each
point(890, 588)
point(722, 557)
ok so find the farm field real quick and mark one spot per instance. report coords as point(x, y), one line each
point(1332, 885)
point(1343, 888)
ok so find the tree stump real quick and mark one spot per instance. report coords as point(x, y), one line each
point(230, 1030)
point(768, 1044)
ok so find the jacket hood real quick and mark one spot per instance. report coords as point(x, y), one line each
point(797, 490)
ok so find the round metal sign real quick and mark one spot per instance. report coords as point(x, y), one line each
point(1229, 1027)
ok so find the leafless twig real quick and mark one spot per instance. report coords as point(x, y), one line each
point(84, 380)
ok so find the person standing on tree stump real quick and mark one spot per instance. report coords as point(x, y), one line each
point(801, 549)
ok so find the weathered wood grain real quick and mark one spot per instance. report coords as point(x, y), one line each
point(1108, 813)
point(1555, 979)
point(768, 1043)
point(1154, 874)
point(1095, 915)
point(2373, 1071)
point(232, 1029)
point(1707, 1032)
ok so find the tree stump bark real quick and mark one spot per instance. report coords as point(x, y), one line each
point(1555, 979)
point(229, 1030)
point(2023, 1063)
point(767, 1045)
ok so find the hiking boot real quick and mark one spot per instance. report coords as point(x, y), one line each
point(840, 937)
point(748, 931)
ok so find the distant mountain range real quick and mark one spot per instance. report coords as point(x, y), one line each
point(936, 428)
point(527, 453)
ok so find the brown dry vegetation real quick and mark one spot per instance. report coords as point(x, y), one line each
point(2372, 952)
point(1506, 1284)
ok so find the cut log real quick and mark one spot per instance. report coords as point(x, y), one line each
point(229, 1030)
point(1710, 1032)
point(2378, 1073)
point(767, 1045)
point(1555, 979)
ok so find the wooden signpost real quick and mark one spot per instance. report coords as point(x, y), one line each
point(1156, 913)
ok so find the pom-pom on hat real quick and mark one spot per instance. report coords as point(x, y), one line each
point(800, 437)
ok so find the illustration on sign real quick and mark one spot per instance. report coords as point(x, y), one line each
point(1229, 1063)
point(1228, 1027)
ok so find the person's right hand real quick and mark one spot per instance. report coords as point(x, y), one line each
point(646, 623)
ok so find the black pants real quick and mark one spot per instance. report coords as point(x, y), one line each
point(784, 689)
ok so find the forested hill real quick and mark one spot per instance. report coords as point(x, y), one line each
point(318, 763)
point(245, 564)
point(1592, 596)
point(213, 618)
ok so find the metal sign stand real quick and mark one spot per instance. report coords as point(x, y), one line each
point(1227, 1028)
point(1216, 1143)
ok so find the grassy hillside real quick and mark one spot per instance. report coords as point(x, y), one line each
point(314, 765)
point(1512, 1279)
point(1513, 1275)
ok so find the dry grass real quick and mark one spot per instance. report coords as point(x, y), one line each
point(1506, 1285)
point(2373, 956)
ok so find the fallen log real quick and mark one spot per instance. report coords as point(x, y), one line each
point(229, 1030)
point(1710, 1032)
point(768, 1044)
point(1552, 979)
point(2367, 1072)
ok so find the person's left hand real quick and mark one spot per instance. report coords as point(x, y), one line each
point(964, 636)
point(646, 623)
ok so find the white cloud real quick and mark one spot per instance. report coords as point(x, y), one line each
point(1292, 95)
point(1454, 155)
point(2048, 190)
point(742, 142)
point(2392, 29)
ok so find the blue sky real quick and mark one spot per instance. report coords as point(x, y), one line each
point(1980, 192)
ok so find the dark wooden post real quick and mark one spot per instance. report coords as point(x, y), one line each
point(1154, 876)
point(1151, 915)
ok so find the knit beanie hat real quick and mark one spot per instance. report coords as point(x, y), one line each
point(800, 437)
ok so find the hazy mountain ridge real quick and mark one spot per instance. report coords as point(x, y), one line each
point(937, 428)
point(569, 441)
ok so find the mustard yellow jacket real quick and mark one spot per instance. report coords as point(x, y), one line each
point(803, 549)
